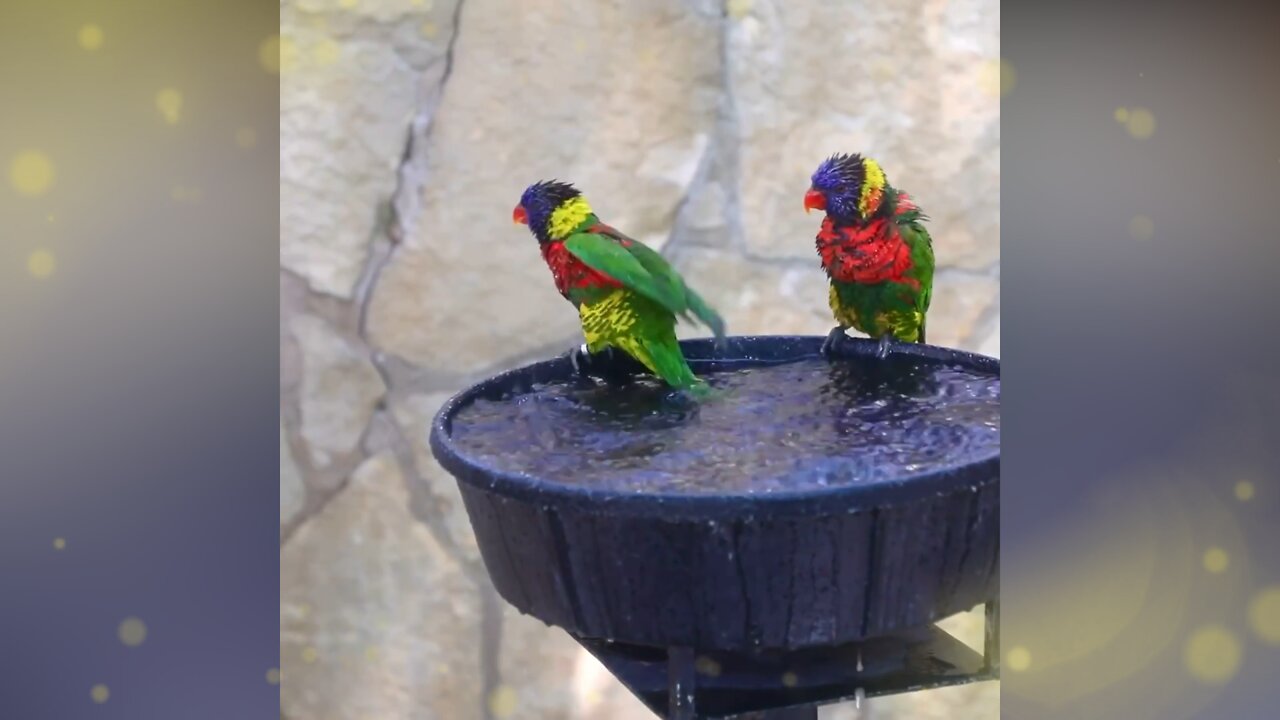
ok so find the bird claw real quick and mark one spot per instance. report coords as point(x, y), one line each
point(579, 357)
point(882, 350)
point(834, 339)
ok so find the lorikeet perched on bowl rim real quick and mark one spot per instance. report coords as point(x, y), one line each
point(628, 296)
point(876, 252)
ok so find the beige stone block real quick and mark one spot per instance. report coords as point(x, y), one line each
point(414, 415)
point(339, 389)
point(293, 493)
point(376, 619)
point(353, 80)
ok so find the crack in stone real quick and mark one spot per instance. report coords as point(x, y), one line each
point(339, 312)
point(318, 494)
point(383, 237)
point(389, 230)
point(728, 140)
point(409, 378)
point(677, 237)
point(423, 504)
point(351, 317)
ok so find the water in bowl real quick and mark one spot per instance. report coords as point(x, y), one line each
point(793, 426)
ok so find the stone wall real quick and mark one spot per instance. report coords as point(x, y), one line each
point(409, 128)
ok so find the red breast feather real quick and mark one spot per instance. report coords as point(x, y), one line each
point(868, 253)
point(570, 273)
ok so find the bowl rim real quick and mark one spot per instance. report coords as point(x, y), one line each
point(963, 477)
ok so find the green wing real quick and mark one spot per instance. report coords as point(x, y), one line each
point(921, 244)
point(642, 270)
point(658, 266)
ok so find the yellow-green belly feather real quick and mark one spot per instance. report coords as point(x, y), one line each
point(903, 325)
point(641, 328)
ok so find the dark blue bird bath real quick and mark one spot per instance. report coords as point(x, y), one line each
point(787, 543)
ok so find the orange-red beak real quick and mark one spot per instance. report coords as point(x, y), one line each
point(814, 200)
point(519, 215)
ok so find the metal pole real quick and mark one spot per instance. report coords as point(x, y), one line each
point(681, 676)
point(991, 646)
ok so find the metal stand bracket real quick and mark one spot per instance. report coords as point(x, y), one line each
point(681, 684)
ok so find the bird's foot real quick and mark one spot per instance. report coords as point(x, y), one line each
point(882, 349)
point(833, 341)
point(580, 358)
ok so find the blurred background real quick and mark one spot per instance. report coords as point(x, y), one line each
point(409, 129)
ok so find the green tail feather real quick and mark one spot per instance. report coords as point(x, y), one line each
point(670, 365)
point(704, 313)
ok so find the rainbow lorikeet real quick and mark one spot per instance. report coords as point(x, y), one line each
point(627, 295)
point(875, 251)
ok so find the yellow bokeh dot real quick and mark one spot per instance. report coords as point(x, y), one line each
point(424, 4)
point(503, 701)
point(789, 679)
point(1142, 227)
point(182, 193)
point(277, 54)
point(1212, 654)
point(1244, 491)
point(371, 653)
point(99, 693)
point(59, 543)
point(738, 8)
point(41, 264)
point(309, 654)
point(998, 77)
point(169, 103)
point(327, 52)
point(90, 37)
point(1018, 659)
point(132, 632)
point(1216, 560)
point(348, 4)
point(707, 666)
point(429, 30)
point(1141, 123)
point(1122, 114)
point(1008, 77)
point(273, 676)
point(31, 173)
point(246, 137)
point(882, 69)
point(1264, 615)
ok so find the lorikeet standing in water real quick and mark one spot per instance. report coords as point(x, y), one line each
point(875, 250)
point(627, 295)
